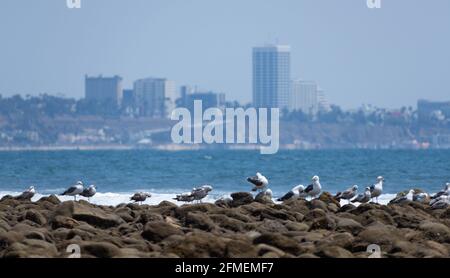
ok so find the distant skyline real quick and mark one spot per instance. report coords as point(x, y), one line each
point(387, 57)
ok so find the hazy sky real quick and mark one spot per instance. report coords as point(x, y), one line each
point(388, 57)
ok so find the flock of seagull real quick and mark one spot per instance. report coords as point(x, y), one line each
point(261, 185)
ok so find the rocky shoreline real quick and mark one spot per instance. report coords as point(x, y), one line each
point(237, 228)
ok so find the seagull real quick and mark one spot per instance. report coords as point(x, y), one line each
point(74, 190)
point(421, 197)
point(377, 188)
point(265, 195)
point(201, 192)
point(140, 197)
point(27, 194)
point(295, 192)
point(363, 197)
point(259, 181)
point(313, 189)
point(445, 191)
point(89, 192)
point(185, 197)
point(440, 203)
point(438, 199)
point(405, 198)
point(347, 194)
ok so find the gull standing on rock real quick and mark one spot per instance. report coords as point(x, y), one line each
point(264, 196)
point(185, 197)
point(140, 197)
point(314, 189)
point(405, 198)
point(440, 202)
point(201, 192)
point(259, 181)
point(377, 188)
point(27, 194)
point(421, 197)
point(363, 197)
point(296, 192)
point(443, 192)
point(89, 192)
point(347, 194)
point(74, 190)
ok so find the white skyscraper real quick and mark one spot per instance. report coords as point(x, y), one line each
point(155, 97)
point(271, 76)
point(305, 97)
point(103, 89)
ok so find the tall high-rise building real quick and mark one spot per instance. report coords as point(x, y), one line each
point(103, 89)
point(155, 97)
point(305, 97)
point(209, 100)
point(271, 76)
point(324, 105)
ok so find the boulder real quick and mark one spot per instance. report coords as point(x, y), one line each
point(99, 249)
point(199, 245)
point(241, 198)
point(35, 216)
point(92, 215)
point(435, 231)
point(334, 252)
point(159, 230)
point(200, 221)
point(284, 243)
point(240, 249)
point(327, 198)
point(348, 225)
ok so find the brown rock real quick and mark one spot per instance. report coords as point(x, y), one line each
point(349, 225)
point(435, 231)
point(200, 221)
point(35, 216)
point(63, 222)
point(334, 252)
point(327, 198)
point(325, 222)
point(240, 249)
point(241, 198)
point(159, 230)
point(99, 249)
point(199, 245)
point(282, 242)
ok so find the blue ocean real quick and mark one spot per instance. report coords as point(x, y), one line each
point(118, 174)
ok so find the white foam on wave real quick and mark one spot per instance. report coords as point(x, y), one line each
point(384, 199)
point(114, 199)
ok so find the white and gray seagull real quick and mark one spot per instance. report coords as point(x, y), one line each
point(314, 188)
point(74, 190)
point(440, 202)
point(377, 189)
point(444, 192)
point(296, 192)
point(408, 197)
point(347, 194)
point(201, 192)
point(259, 181)
point(89, 192)
point(363, 197)
point(421, 197)
point(185, 197)
point(264, 196)
point(140, 197)
point(27, 194)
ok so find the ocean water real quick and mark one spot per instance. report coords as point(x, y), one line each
point(118, 174)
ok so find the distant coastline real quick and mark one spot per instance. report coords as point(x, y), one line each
point(193, 147)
